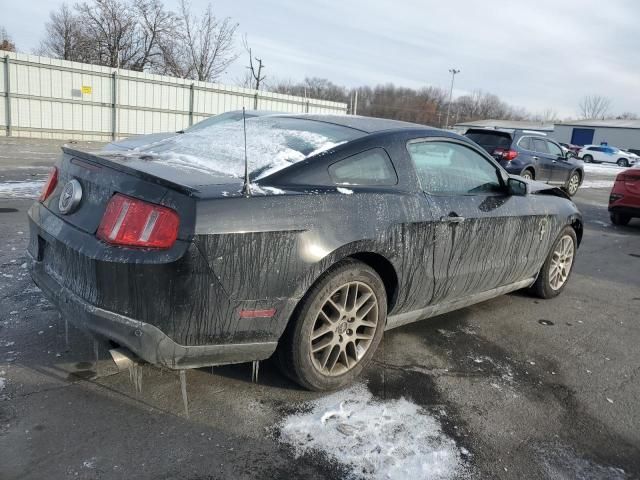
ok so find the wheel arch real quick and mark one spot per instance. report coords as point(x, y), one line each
point(576, 224)
point(369, 256)
point(530, 167)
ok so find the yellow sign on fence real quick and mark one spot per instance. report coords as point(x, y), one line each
point(86, 89)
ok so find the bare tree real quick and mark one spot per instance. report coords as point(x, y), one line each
point(156, 26)
point(594, 106)
point(627, 116)
point(64, 38)
point(204, 48)
point(5, 41)
point(256, 76)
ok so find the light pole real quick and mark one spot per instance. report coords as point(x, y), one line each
point(453, 73)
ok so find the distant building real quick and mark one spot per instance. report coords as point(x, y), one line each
point(623, 134)
point(506, 124)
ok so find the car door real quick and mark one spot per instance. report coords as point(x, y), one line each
point(484, 237)
point(560, 168)
point(599, 154)
point(542, 158)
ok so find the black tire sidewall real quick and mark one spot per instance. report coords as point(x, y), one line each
point(300, 349)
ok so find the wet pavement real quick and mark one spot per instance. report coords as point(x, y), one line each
point(515, 387)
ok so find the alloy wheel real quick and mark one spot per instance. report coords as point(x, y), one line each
point(527, 175)
point(574, 183)
point(344, 328)
point(561, 262)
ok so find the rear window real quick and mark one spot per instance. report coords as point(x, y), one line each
point(273, 143)
point(490, 140)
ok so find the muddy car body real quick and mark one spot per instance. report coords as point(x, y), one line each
point(247, 268)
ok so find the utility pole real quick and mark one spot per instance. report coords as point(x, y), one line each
point(355, 103)
point(453, 73)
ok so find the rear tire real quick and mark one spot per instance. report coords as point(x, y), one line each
point(336, 328)
point(587, 158)
point(528, 174)
point(619, 219)
point(623, 162)
point(573, 184)
point(557, 268)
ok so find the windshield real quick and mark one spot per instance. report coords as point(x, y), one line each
point(273, 143)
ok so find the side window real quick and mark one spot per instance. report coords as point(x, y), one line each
point(539, 145)
point(372, 167)
point(446, 168)
point(554, 149)
point(525, 143)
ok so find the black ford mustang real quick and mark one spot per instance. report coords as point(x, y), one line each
point(347, 226)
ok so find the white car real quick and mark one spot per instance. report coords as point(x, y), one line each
point(607, 154)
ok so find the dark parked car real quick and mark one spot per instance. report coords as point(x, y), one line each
point(531, 155)
point(349, 226)
point(624, 200)
point(571, 148)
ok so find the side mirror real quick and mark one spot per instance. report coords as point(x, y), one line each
point(517, 187)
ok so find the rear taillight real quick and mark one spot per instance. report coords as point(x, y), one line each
point(615, 197)
point(132, 222)
point(509, 155)
point(50, 184)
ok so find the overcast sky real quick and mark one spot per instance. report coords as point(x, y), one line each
point(535, 54)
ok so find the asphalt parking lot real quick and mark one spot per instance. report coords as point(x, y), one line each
point(515, 387)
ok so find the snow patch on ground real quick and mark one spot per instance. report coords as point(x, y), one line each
point(376, 439)
point(346, 191)
point(597, 184)
point(603, 169)
point(28, 189)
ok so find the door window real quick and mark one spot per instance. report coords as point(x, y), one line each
point(554, 149)
point(446, 168)
point(525, 143)
point(540, 145)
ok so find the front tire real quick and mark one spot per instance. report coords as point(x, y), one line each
point(619, 219)
point(623, 162)
point(527, 174)
point(336, 328)
point(555, 271)
point(573, 184)
point(587, 158)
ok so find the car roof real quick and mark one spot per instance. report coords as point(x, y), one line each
point(364, 124)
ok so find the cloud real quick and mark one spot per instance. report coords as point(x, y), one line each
point(539, 55)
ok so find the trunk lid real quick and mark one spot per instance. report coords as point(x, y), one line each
point(100, 177)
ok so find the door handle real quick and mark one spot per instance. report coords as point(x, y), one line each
point(535, 158)
point(452, 219)
point(554, 161)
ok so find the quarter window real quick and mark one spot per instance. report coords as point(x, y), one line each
point(372, 167)
point(446, 168)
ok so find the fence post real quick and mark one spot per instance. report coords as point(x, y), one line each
point(114, 106)
point(7, 105)
point(307, 105)
point(191, 104)
point(255, 101)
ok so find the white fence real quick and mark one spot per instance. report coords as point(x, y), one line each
point(47, 98)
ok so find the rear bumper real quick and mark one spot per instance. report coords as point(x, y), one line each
point(146, 341)
point(625, 210)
